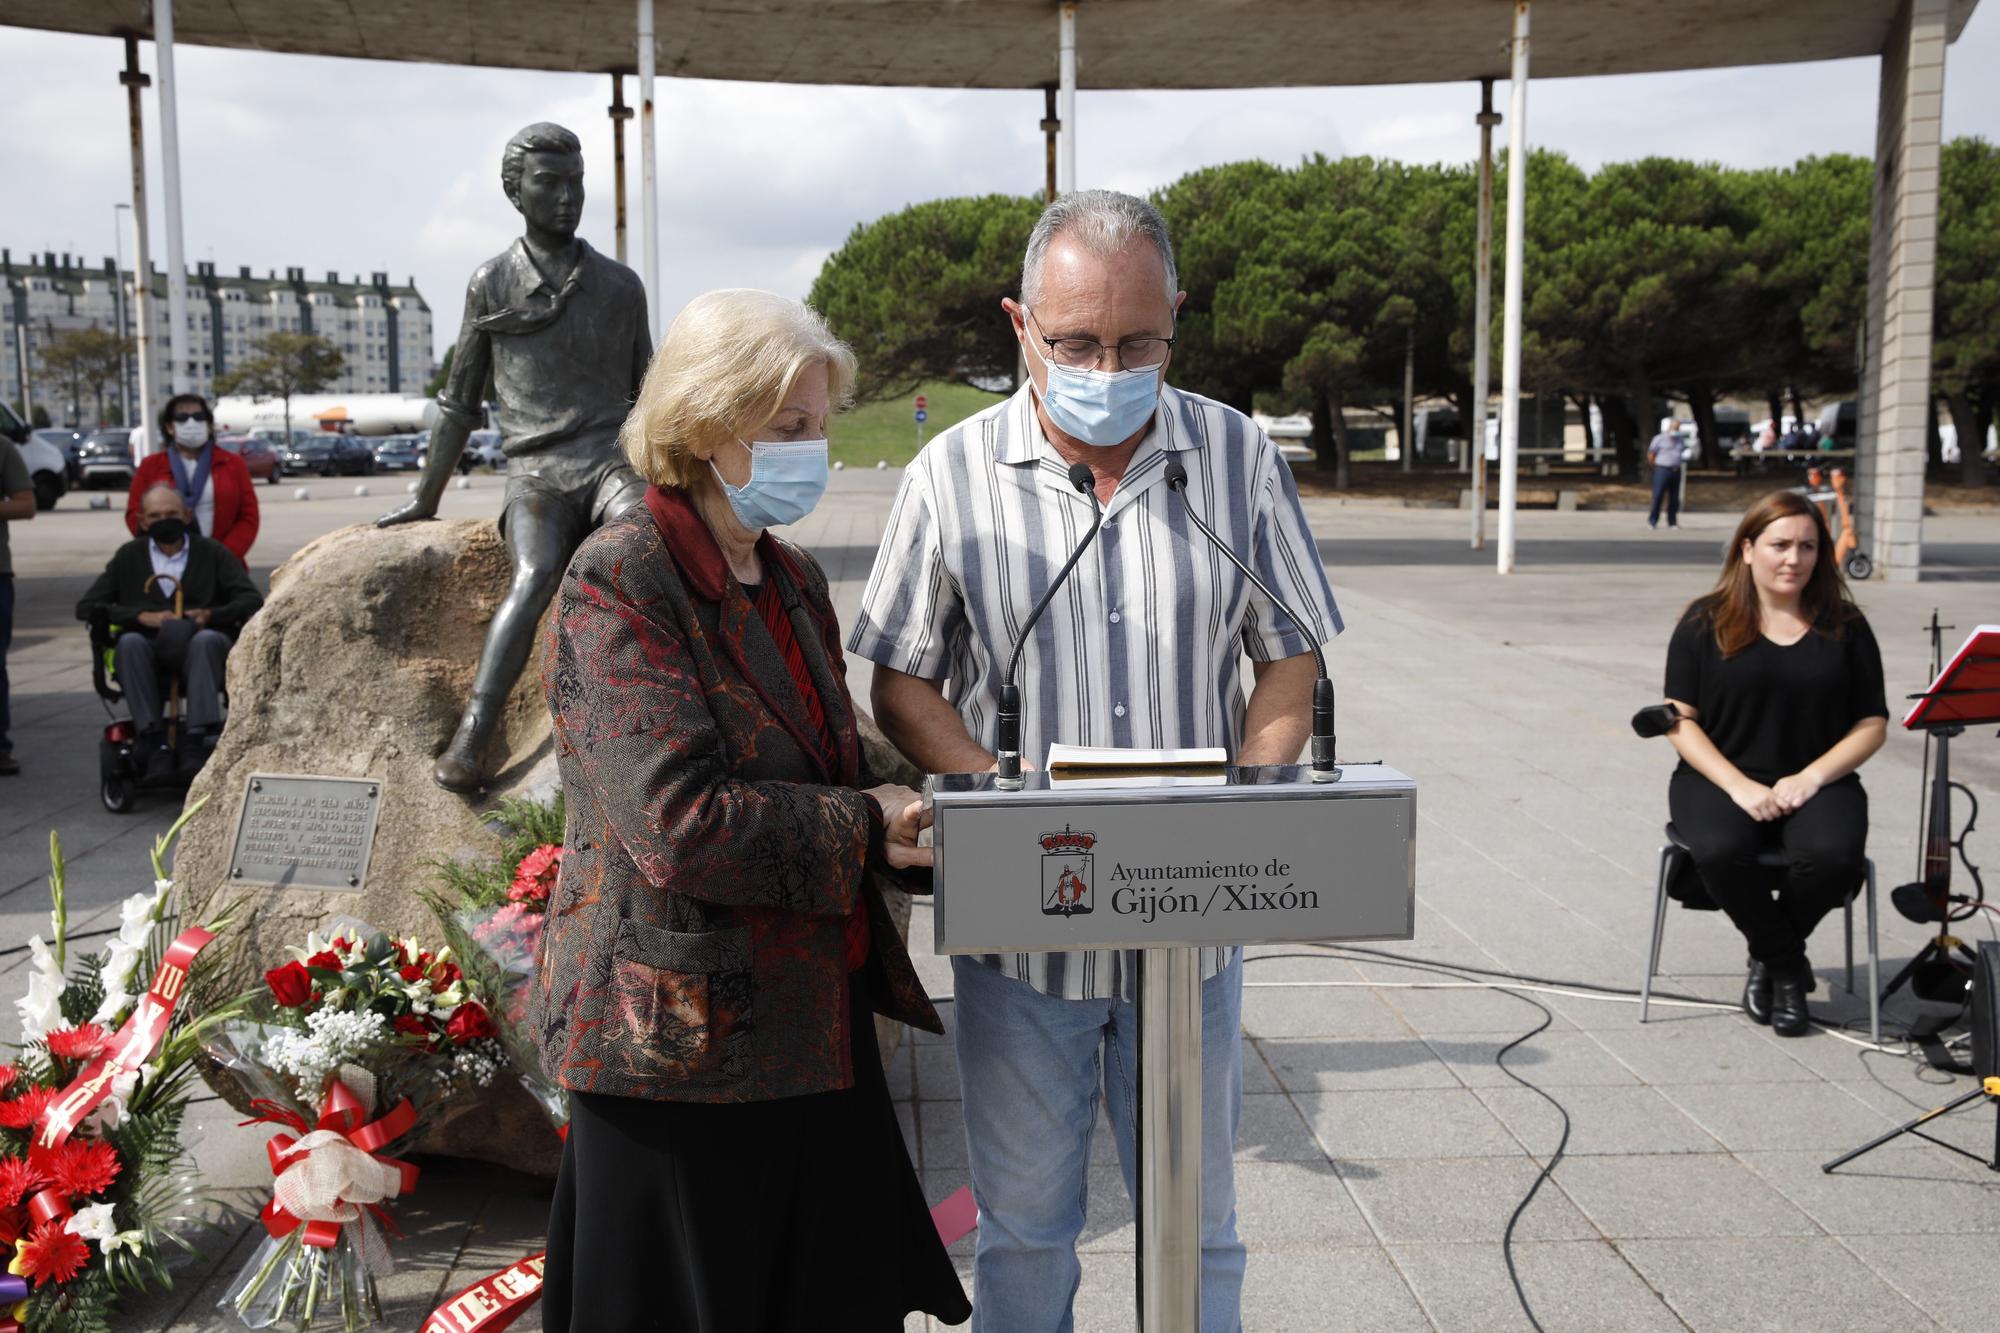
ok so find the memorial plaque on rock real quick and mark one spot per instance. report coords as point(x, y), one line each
point(304, 831)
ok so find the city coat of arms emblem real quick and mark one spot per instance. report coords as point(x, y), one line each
point(1067, 872)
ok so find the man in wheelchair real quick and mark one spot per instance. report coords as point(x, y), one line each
point(172, 601)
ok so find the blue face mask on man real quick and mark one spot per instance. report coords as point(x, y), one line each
point(786, 480)
point(1099, 407)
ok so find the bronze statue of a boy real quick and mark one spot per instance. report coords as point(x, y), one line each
point(563, 333)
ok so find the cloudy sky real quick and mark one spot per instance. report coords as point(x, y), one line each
point(359, 166)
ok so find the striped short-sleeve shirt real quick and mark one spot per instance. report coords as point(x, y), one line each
point(1142, 646)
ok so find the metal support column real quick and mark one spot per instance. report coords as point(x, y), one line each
point(1066, 97)
point(142, 264)
point(1510, 315)
point(1169, 1210)
point(1051, 129)
point(178, 343)
point(620, 113)
point(1482, 318)
point(121, 314)
point(649, 185)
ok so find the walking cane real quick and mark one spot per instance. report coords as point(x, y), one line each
point(173, 681)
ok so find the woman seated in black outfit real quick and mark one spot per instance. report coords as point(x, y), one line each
point(1778, 683)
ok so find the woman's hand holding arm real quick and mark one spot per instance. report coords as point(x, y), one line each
point(1851, 751)
point(1692, 744)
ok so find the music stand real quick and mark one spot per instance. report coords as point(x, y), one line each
point(1965, 693)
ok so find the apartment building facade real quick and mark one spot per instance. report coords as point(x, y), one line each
point(382, 329)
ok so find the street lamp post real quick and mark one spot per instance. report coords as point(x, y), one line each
point(118, 314)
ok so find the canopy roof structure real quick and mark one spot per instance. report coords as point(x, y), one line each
point(1008, 43)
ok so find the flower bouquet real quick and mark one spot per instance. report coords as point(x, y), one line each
point(492, 916)
point(97, 1191)
point(349, 1049)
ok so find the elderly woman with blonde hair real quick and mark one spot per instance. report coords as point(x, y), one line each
point(717, 942)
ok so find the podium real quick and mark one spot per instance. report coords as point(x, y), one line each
point(1167, 864)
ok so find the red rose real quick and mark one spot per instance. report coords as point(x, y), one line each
point(410, 972)
point(470, 1022)
point(414, 1026)
point(444, 974)
point(291, 984)
point(325, 958)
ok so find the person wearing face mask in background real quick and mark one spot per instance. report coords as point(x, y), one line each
point(212, 482)
point(135, 593)
point(1139, 648)
point(717, 944)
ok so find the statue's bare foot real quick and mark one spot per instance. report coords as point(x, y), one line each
point(457, 769)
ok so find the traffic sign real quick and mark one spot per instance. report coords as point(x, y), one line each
point(922, 402)
point(922, 416)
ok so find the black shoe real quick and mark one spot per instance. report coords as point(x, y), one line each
point(1757, 993)
point(1789, 1015)
point(155, 756)
point(9, 765)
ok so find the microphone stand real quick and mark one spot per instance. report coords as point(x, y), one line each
point(1008, 751)
point(1323, 767)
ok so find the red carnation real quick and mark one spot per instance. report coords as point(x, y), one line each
point(84, 1043)
point(470, 1022)
point(53, 1254)
point(413, 1026)
point(535, 878)
point(325, 958)
point(26, 1109)
point(410, 972)
point(80, 1167)
point(291, 984)
point(18, 1179)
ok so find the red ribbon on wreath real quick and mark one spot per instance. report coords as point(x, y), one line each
point(329, 1171)
point(136, 1043)
point(492, 1303)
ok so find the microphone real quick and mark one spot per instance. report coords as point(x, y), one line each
point(1323, 767)
point(1008, 752)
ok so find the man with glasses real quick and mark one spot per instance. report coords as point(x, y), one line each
point(1141, 647)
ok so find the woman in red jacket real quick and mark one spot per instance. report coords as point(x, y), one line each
point(214, 482)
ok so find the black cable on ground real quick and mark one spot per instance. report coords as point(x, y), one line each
point(1500, 1062)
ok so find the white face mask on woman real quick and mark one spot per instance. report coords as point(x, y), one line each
point(191, 435)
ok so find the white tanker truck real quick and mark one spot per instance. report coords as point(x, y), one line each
point(355, 413)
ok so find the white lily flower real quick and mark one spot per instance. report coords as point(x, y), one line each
point(41, 1007)
point(93, 1223)
point(124, 1240)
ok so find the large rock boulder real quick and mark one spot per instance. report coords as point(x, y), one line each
point(358, 666)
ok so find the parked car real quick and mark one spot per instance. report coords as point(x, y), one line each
point(69, 441)
point(47, 468)
point(483, 447)
point(397, 453)
point(312, 456)
point(105, 458)
point(422, 440)
point(258, 455)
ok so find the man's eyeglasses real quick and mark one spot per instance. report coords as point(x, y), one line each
point(1088, 353)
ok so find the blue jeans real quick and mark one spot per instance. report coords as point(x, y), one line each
point(1029, 1068)
point(1666, 486)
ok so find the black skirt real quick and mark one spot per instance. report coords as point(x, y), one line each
point(697, 1217)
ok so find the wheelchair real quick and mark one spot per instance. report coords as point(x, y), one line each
point(120, 766)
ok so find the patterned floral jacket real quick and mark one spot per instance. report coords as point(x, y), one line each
point(694, 949)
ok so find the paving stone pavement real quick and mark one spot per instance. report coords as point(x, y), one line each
point(1382, 1150)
